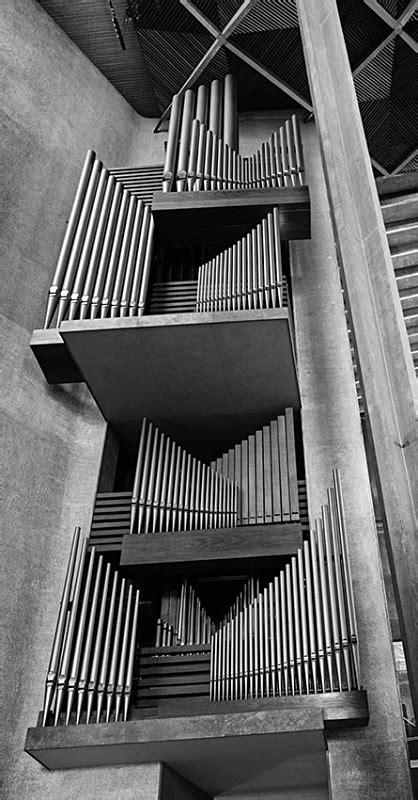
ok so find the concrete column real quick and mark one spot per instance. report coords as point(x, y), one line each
point(383, 353)
point(368, 762)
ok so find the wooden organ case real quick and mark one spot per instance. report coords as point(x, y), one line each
point(202, 586)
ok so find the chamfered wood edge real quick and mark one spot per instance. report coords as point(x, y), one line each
point(220, 545)
point(139, 740)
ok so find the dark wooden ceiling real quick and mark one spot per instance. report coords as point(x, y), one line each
point(166, 40)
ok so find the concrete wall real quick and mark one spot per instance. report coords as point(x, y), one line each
point(369, 762)
point(55, 105)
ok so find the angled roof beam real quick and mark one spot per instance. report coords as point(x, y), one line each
point(374, 53)
point(396, 24)
point(269, 75)
point(406, 161)
point(379, 167)
point(220, 40)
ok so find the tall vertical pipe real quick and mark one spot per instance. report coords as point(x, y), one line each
point(105, 251)
point(139, 262)
point(123, 257)
point(92, 684)
point(97, 247)
point(78, 283)
point(230, 118)
point(215, 108)
point(172, 142)
point(76, 209)
point(101, 688)
point(60, 627)
point(131, 260)
point(114, 255)
point(71, 264)
point(131, 658)
point(185, 132)
point(147, 268)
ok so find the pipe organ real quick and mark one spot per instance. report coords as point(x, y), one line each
point(246, 275)
point(104, 265)
point(291, 634)
point(298, 635)
point(92, 658)
point(202, 147)
point(263, 467)
point(175, 491)
point(183, 620)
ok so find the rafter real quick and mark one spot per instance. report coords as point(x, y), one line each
point(222, 40)
point(378, 166)
point(374, 53)
point(397, 25)
point(269, 75)
point(406, 161)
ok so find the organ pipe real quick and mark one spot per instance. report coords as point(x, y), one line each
point(84, 665)
point(172, 491)
point(246, 275)
point(105, 261)
point(294, 636)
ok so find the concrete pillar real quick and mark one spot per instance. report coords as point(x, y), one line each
point(175, 787)
point(383, 353)
point(369, 762)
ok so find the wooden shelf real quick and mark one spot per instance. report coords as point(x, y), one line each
point(223, 217)
point(217, 745)
point(183, 366)
point(222, 551)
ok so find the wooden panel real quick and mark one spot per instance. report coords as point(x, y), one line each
point(224, 548)
point(223, 217)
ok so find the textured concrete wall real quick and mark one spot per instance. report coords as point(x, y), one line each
point(369, 762)
point(55, 105)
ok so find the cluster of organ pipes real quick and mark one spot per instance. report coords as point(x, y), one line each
point(298, 635)
point(93, 652)
point(183, 619)
point(104, 265)
point(202, 146)
point(264, 469)
point(247, 275)
point(173, 491)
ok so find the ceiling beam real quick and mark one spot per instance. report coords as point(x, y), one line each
point(379, 167)
point(269, 75)
point(406, 161)
point(221, 38)
point(374, 53)
point(397, 25)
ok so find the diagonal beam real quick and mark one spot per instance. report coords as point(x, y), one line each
point(374, 53)
point(269, 75)
point(405, 161)
point(378, 166)
point(397, 25)
point(220, 41)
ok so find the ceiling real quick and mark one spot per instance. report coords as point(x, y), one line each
point(173, 42)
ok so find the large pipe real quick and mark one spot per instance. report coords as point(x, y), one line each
point(131, 260)
point(77, 244)
point(78, 283)
point(114, 255)
point(131, 658)
point(97, 248)
point(172, 141)
point(183, 154)
point(92, 684)
point(123, 256)
point(215, 108)
point(60, 627)
point(192, 162)
point(101, 687)
point(139, 262)
point(69, 635)
point(147, 268)
point(230, 120)
point(105, 251)
point(87, 646)
point(79, 201)
point(81, 623)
